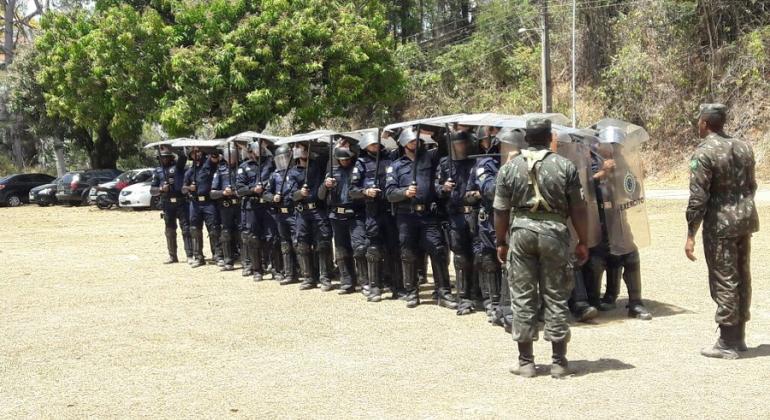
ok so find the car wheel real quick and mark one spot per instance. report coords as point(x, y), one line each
point(155, 203)
point(13, 200)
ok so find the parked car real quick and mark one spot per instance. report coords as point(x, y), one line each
point(73, 188)
point(105, 195)
point(44, 195)
point(138, 196)
point(14, 189)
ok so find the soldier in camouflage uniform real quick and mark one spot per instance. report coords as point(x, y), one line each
point(722, 187)
point(536, 192)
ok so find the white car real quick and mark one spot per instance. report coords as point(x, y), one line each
point(138, 196)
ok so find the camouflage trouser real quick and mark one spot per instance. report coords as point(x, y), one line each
point(729, 277)
point(539, 269)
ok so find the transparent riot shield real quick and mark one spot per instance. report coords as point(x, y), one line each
point(580, 155)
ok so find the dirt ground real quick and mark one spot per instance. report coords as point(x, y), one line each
point(93, 325)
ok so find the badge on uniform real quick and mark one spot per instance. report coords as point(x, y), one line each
point(240, 171)
point(355, 170)
point(171, 171)
point(389, 170)
point(479, 171)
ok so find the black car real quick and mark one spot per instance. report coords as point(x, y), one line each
point(73, 187)
point(44, 195)
point(14, 189)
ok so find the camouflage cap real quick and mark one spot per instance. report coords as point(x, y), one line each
point(537, 126)
point(713, 109)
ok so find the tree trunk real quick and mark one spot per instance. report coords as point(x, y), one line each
point(104, 154)
point(58, 150)
point(10, 6)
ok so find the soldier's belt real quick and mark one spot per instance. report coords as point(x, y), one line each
point(172, 199)
point(539, 216)
point(343, 210)
point(306, 206)
point(201, 198)
point(229, 202)
point(462, 210)
point(285, 210)
point(415, 208)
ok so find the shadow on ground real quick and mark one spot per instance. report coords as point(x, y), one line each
point(620, 313)
point(588, 367)
point(763, 350)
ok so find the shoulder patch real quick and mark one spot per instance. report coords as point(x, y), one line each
point(479, 171)
point(389, 170)
point(355, 170)
point(694, 164)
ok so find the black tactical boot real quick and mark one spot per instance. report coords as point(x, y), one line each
point(256, 258)
point(171, 246)
point(489, 278)
point(289, 268)
point(633, 278)
point(409, 268)
point(305, 266)
point(227, 250)
point(197, 246)
point(246, 254)
point(443, 291)
point(344, 259)
point(216, 248)
point(324, 267)
point(526, 367)
point(373, 265)
point(584, 312)
point(277, 260)
point(188, 249)
point(740, 344)
point(559, 365)
point(463, 283)
point(724, 348)
point(612, 288)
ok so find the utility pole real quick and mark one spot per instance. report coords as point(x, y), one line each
point(574, 65)
point(546, 61)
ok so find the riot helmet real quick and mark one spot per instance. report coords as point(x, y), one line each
point(283, 157)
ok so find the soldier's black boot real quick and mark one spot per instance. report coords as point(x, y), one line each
point(373, 264)
point(347, 282)
point(305, 266)
point(171, 246)
point(197, 247)
point(463, 283)
point(277, 260)
point(394, 269)
point(612, 288)
point(740, 344)
point(289, 268)
point(246, 253)
point(188, 248)
point(443, 290)
point(409, 268)
point(633, 277)
point(526, 367)
point(724, 348)
point(422, 267)
point(324, 267)
point(227, 250)
point(256, 258)
point(559, 363)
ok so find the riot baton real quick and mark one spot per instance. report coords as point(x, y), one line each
point(377, 160)
point(259, 162)
point(449, 159)
point(416, 155)
point(307, 167)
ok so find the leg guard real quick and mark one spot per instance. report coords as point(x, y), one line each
point(440, 265)
point(187, 241)
point(324, 268)
point(246, 253)
point(277, 260)
point(464, 285)
point(216, 246)
point(197, 247)
point(227, 249)
point(171, 245)
point(409, 261)
point(256, 257)
point(289, 270)
point(343, 258)
point(305, 265)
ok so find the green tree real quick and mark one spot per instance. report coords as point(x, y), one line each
point(105, 72)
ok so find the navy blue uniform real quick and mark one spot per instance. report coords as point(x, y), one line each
point(381, 247)
point(259, 231)
point(175, 207)
point(312, 223)
point(279, 184)
point(348, 225)
point(418, 222)
point(229, 210)
point(202, 207)
point(482, 179)
point(461, 217)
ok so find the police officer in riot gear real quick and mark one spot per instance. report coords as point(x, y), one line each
point(223, 191)
point(410, 185)
point(197, 185)
point(347, 220)
point(313, 232)
point(278, 192)
point(453, 176)
point(258, 234)
point(167, 182)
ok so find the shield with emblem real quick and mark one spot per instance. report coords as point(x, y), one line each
point(625, 209)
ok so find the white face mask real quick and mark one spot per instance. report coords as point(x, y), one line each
point(299, 153)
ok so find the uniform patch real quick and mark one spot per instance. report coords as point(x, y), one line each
point(171, 171)
point(629, 183)
point(355, 170)
point(389, 170)
point(479, 171)
point(693, 164)
point(240, 170)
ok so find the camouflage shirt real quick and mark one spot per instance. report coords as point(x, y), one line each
point(722, 187)
point(559, 186)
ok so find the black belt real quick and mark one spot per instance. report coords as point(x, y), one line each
point(285, 210)
point(175, 198)
point(306, 206)
point(200, 198)
point(229, 202)
point(259, 200)
point(461, 210)
point(343, 210)
point(415, 208)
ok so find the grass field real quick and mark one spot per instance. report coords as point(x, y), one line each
point(93, 325)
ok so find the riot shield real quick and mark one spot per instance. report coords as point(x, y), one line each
point(626, 212)
point(572, 145)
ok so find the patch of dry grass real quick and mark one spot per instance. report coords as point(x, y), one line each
point(94, 325)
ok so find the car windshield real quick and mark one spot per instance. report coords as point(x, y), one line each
point(68, 178)
point(7, 178)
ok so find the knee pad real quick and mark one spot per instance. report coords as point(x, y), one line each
point(303, 248)
point(324, 246)
point(285, 247)
point(462, 262)
point(359, 251)
point(341, 253)
point(489, 263)
point(408, 255)
point(374, 253)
